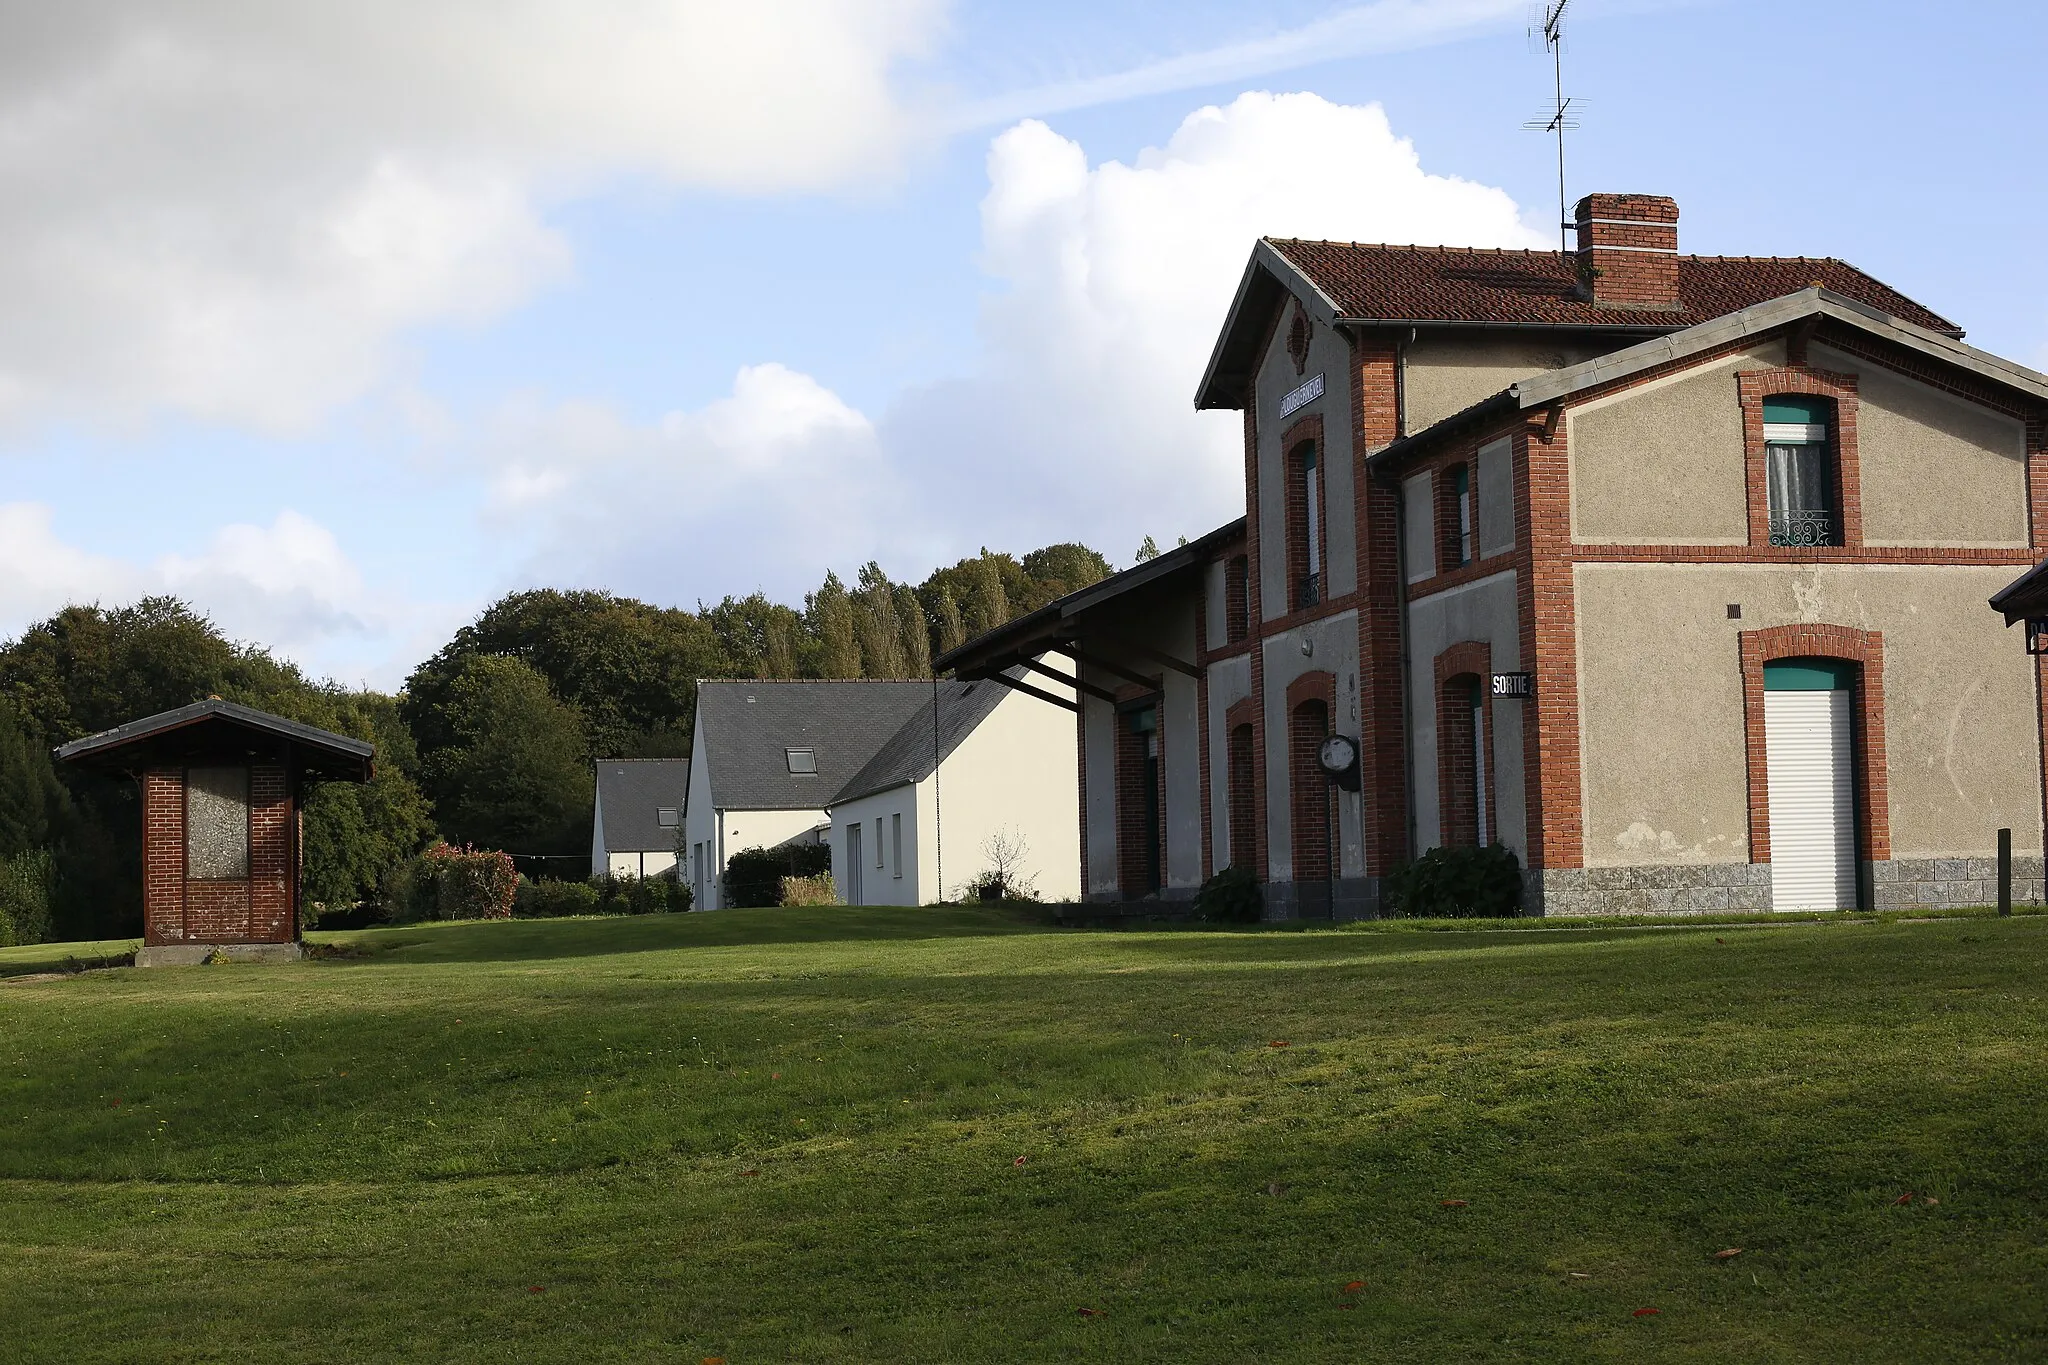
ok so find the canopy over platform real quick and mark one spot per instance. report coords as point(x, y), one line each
point(215, 731)
point(2025, 597)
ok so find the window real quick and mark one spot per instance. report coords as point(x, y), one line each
point(665, 816)
point(896, 842)
point(1243, 800)
point(878, 841)
point(802, 762)
point(1461, 763)
point(1455, 515)
point(216, 824)
point(1305, 526)
point(1799, 471)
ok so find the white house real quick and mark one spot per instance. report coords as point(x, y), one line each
point(786, 762)
point(638, 815)
point(990, 777)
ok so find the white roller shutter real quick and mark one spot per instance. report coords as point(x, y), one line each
point(1812, 799)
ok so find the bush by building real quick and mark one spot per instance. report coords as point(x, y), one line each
point(452, 883)
point(553, 899)
point(818, 890)
point(1231, 897)
point(658, 895)
point(753, 876)
point(1456, 883)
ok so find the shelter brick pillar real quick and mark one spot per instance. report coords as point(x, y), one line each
point(163, 856)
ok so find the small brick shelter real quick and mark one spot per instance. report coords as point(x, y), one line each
point(222, 787)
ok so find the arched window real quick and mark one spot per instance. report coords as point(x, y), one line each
point(1799, 473)
point(1243, 800)
point(1461, 737)
point(1304, 526)
point(1307, 728)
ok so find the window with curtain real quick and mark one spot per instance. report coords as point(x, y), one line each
point(1799, 471)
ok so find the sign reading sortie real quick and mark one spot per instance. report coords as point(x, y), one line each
point(1514, 686)
point(1299, 398)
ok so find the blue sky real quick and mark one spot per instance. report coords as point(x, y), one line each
point(342, 327)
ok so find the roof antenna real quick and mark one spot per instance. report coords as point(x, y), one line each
point(1546, 26)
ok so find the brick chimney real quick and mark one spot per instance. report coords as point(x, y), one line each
point(1628, 250)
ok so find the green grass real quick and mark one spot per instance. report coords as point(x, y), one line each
point(793, 1136)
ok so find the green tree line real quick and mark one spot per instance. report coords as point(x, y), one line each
point(491, 742)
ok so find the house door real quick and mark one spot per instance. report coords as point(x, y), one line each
point(1810, 771)
point(853, 864)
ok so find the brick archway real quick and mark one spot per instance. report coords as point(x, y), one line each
point(1311, 807)
point(1864, 648)
point(1456, 745)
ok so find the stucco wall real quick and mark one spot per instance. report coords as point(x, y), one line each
point(1015, 775)
point(1330, 356)
point(1486, 610)
point(1496, 486)
point(1664, 770)
point(1418, 526)
point(1446, 372)
point(1936, 469)
point(700, 824)
point(883, 885)
point(1664, 463)
point(1334, 641)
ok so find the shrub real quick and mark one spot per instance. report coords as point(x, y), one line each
point(817, 890)
point(1456, 883)
point(753, 876)
point(447, 882)
point(1004, 878)
point(658, 895)
point(553, 899)
point(27, 882)
point(1232, 896)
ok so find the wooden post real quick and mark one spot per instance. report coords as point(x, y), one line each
point(2005, 872)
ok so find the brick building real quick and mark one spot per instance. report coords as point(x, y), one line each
point(1667, 572)
point(222, 847)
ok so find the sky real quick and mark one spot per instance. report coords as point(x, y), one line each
point(340, 322)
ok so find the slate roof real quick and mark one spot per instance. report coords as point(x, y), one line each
point(907, 755)
point(1470, 284)
point(748, 727)
point(631, 793)
point(216, 729)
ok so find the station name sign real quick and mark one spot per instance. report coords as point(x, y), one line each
point(1296, 399)
point(1514, 686)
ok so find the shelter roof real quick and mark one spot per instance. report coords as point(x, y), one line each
point(216, 731)
point(631, 794)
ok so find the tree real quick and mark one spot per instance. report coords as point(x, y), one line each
point(879, 628)
point(952, 628)
point(1149, 550)
point(629, 669)
point(917, 633)
point(1057, 570)
point(829, 614)
point(988, 605)
point(33, 803)
point(513, 773)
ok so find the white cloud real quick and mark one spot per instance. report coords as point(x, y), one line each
point(229, 210)
point(1116, 279)
point(288, 586)
point(1078, 422)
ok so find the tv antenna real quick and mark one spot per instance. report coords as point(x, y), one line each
point(1546, 25)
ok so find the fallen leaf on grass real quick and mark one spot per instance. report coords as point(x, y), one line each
point(535, 1289)
point(1089, 1312)
point(750, 1173)
point(1728, 1254)
point(1929, 1199)
point(1020, 1161)
point(714, 1360)
point(1905, 1198)
point(1279, 1042)
point(1275, 1188)
point(1646, 1312)
point(1578, 1274)
point(1347, 1305)
point(1354, 1286)
point(1454, 1203)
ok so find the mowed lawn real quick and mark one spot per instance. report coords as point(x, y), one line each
point(940, 1135)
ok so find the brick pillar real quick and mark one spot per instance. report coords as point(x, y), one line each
point(163, 856)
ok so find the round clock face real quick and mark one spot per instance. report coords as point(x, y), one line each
point(1338, 754)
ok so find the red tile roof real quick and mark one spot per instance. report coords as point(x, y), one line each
point(1469, 284)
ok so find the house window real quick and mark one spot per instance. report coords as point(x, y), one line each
point(1455, 515)
point(1799, 471)
point(878, 841)
point(896, 842)
point(1243, 800)
point(1237, 598)
point(665, 816)
point(1305, 529)
point(802, 762)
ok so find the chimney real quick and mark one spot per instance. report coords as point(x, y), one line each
point(1628, 250)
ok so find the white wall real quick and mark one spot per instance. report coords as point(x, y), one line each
point(895, 882)
point(1018, 772)
point(649, 864)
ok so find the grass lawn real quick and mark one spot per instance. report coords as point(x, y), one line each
point(940, 1135)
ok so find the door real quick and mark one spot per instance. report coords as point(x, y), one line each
point(1809, 766)
point(853, 856)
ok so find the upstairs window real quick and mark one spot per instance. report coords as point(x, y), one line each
point(1799, 471)
point(802, 762)
point(666, 817)
point(1305, 530)
point(1456, 516)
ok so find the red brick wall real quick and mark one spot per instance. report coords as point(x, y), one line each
point(1753, 386)
point(1459, 669)
point(1244, 801)
point(261, 909)
point(1628, 249)
point(1134, 873)
point(1375, 368)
